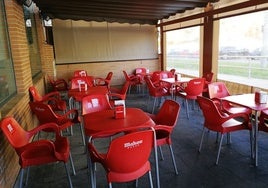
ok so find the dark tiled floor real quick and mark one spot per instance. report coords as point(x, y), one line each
point(235, 169)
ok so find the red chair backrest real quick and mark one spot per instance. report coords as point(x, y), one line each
point(208, 76)
point(168, 113)
point(135, 147)
point(34, 94)
point(166, 74)
point(173, 71)
point(80, 73)
point(140, 71)
point(76, 80)
point(94, 103)
point(217, 90)
point(195, 87)
point(155, 76)
point(43, 112)
point(210, 111)
point(158, 75)
point(150, 85)
point(15, 134)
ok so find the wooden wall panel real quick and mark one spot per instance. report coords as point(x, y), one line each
point(235, 88)
point(101, 69)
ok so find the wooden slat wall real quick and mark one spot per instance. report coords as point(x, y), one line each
point(101, 69)
point(235, 88)
point(19, 109)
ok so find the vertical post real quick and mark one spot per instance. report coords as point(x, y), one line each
point(161, 47)
point(207, 43)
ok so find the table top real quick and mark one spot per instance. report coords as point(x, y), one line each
point(78, 95)
point(179, 81)
point(105, 121)
point(247, 100)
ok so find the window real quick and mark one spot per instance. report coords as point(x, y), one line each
point(32, 37)
point(243, 49)
point(182, 49)
point(7, 79)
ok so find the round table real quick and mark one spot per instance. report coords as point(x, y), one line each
point(105, 121)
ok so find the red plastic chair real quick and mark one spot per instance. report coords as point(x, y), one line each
point(94, 103)
point(141, 72)
point(104, 81)
point(40, 152)
point(127, 157)
point(45, 114)
point(221, 123)
point(58, 84)
point(158, 75)
point(116, 93)
point(52, 98)
point(218, 90)
point(133, 80)
point(193, 89)
point(155, 91)
point(165, 120)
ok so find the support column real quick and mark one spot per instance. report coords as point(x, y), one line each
point(208, 39)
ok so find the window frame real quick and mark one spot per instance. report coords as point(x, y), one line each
point(10, 78)
point(248, 79)
point(190, 72)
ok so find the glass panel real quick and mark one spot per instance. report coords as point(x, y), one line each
point(7, 79)
point(243, 47)
point(32, 42)
point(183, 50)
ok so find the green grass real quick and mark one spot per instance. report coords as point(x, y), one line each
point(244, 68)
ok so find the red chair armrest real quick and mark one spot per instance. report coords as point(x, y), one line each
point(39, 128)
point(115, 95)
point(54, 94)
point(72, 112)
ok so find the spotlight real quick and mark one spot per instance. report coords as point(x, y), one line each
point(27, 3)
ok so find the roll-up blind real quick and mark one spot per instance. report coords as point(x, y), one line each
point(81, 41)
